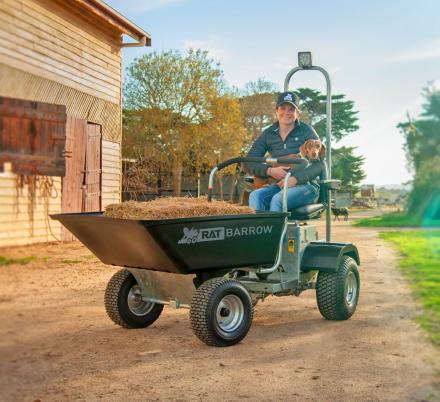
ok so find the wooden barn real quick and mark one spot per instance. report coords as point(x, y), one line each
point(60, 112)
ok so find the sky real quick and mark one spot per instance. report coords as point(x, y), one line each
point(380, 54)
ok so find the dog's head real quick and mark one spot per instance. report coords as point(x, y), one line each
point(312, 149)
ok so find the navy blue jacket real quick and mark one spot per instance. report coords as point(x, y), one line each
point(310, 172)
point(270, 142)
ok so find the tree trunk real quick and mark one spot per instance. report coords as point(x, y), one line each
point(233, 190)
point(220, 185)
point(177, 178)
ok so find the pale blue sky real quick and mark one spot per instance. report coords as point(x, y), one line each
point(380, 54)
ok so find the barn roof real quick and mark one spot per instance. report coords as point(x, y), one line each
point(115, 19)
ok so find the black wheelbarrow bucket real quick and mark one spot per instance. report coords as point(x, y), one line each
point(184, 245)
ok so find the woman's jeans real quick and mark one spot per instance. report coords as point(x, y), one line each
point(271, 198)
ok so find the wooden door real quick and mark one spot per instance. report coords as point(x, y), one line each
point(72, 184)
point(82, 183)
point(92, 180)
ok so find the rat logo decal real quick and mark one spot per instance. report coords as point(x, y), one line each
point(189, 236)
point(193, 235)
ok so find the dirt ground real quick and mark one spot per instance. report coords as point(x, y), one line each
point(57, 343)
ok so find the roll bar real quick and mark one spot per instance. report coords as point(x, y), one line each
point(328, 130)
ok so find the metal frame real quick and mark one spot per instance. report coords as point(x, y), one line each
point(328, 134)
point(216, 168)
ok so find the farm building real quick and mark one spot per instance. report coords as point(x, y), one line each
point(368, 191)
point(60, 112)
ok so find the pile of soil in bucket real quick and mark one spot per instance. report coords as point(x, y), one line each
point(174, 207)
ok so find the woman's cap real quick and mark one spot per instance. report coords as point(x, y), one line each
point(288, 97)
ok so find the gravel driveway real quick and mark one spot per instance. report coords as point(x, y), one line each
point(56, 342)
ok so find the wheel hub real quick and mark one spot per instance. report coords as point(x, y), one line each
point(230, 314)
point(135, 303)
point(224, 312)
point(351, 289)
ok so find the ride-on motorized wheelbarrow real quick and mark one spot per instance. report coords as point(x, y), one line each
point(221, 266)
point(218, 266)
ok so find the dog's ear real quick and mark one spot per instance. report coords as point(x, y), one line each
point(303, 149)
point(322, 151)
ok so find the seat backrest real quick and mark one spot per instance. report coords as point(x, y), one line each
point(323, 190)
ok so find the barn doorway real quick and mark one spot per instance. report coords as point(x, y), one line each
point(81, 191)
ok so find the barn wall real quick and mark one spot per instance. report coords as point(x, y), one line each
point(24, 218)
point(19, 84)
point(111, 173)
point(52, 52)
point(24, 213)
point(52, 41)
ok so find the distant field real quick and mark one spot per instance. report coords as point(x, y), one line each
point(396, 219)
point(421, 266)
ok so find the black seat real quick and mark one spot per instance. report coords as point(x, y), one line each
point(314, 211)
point(306, 212)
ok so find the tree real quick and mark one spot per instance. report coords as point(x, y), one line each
point(422, 146)
point(225, 134)
point(257, 102)
point(172, 112)
point(422, 136)
point(424, 198)
point(348, 168)
point(345, 165)
point(344, 117)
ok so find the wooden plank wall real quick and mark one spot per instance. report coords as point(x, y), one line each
point(15, 83)
point(111, 173)
point(19, 224)
point(50, 40)
point(16, 226)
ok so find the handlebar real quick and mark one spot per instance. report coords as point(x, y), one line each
point(255, 159)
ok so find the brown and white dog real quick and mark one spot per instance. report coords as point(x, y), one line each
point(311, 149)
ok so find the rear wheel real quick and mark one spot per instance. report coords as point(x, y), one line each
point(337, 293)
point(221, 312)
point(124, 304)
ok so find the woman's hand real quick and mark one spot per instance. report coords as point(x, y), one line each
point(292, 182)
point(278, 172)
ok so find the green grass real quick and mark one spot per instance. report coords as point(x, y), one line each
point(69, 261)
point(396, 219)
point(81, 259)
point(20, 261)
point(421, 266)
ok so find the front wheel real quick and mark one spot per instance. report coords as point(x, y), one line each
point(221, 312)
point(124, 304)
point(337, 293)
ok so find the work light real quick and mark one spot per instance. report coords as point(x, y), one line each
point(305, 59)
